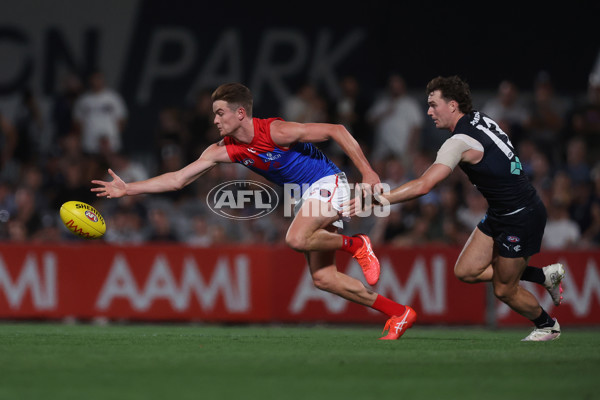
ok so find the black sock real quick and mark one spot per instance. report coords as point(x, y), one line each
point(543, 321)
point(533, 274)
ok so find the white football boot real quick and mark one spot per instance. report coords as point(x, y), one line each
point(544, 334)
point(554, 274)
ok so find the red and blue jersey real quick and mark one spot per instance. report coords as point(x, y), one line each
point(301, 163)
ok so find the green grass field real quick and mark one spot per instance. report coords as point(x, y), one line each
point(55, 361)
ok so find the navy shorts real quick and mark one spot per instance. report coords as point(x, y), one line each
point(516, 234)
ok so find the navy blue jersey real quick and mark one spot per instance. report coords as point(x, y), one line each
point(498, 176)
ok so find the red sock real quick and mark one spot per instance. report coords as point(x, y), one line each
point(387, 306)
point(351, 244)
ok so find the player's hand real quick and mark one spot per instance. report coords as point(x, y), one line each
point(364, 201)
point(358, 206)
point(111, 190)
point(370, 184)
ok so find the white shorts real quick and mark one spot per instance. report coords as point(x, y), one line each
point(332, 189)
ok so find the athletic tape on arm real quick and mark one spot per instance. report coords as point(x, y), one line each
point(451, 151)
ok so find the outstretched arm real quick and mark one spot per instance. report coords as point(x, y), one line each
point(410, 190)
point(420, 186)
point(286, 134)
point(167, 182)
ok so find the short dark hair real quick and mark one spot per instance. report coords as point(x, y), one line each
point(452, 88)
point(236, 95)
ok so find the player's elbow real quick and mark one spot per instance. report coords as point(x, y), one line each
point(337, 132)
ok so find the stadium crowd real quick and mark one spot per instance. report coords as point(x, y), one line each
point(49, 158)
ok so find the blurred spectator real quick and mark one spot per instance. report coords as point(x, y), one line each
point(471, 213)
point(202, 130)
point(526, 150)
point(508, 110)
point(27, 218)
point(73, 185)
point(577, 162)
point(455, 232)
point(64, 104)
point(160, 226)
point(350, 110)
point(8, 144)
point(584, 120)
point(100, 115)
point(386, 229)
point(17, 231)
point(428, 224)
point(397, 120)
point(561, 232)
point(541, 174)
point(171, 132)
point(306, 105)
point(547, 117)
point(126, 224)
point(201, 235)
point(591, 235)
point(393, 172)
point(30, 127)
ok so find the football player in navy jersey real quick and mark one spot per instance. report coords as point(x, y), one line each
point(500, 246)
point(283, 152)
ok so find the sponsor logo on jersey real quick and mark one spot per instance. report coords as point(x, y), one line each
point(248, 161)
point(270, 156)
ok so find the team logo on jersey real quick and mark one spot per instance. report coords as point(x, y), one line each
point(516, 167)
point(325, 193)
point(242, 199)
point(248, 161)
point(513, 239)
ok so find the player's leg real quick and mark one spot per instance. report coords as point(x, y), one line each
point(474, 264)
point(307, 231)
point(326, 277)
point(550, 277)
point(506, 278)
point(312, 231)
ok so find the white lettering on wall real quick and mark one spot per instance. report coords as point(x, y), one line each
point(233, 284)
point(41, 285)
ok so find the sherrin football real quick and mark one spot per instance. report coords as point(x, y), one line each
point(82, 219)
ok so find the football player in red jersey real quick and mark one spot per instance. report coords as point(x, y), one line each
point(283, 152)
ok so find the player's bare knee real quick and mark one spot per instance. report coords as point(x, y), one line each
point(324, 280)
point(463, 274)
point(296, 241)
point(504, 292)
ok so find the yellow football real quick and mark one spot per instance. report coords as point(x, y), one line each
point(82, 219)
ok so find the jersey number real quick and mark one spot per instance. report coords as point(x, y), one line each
point(493, 131)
